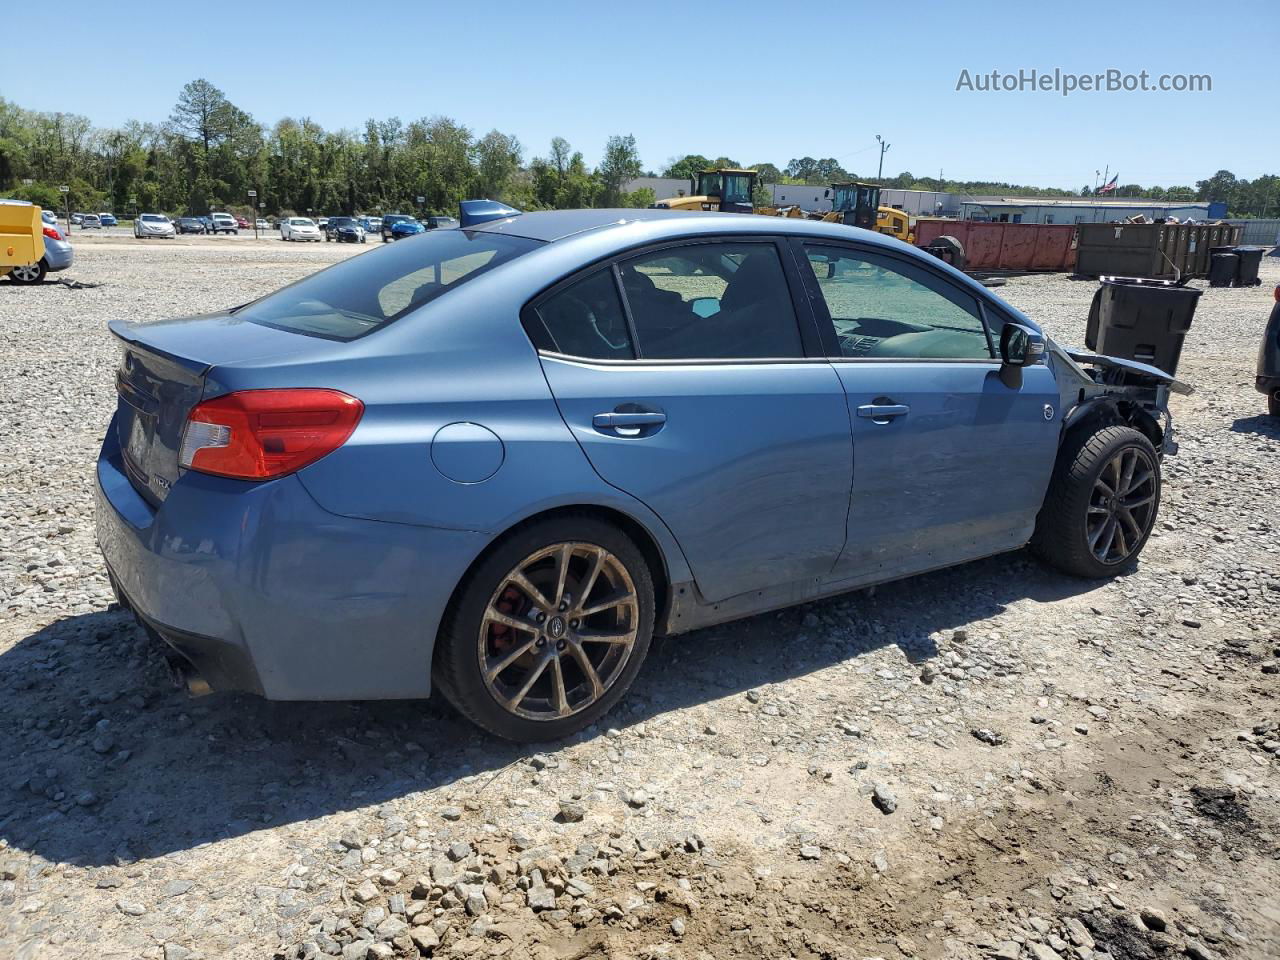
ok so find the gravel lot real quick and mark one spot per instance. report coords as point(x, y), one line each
point(993, 761)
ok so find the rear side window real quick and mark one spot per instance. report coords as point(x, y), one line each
point(586, 319)
point(711, 301)
point(364, 293)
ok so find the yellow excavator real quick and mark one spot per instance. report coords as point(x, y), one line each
point(729, 190)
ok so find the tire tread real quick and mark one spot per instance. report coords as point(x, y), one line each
point(1057, 539)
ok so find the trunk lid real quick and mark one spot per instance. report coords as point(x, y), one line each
point(162, 375)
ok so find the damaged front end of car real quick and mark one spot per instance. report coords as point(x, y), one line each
point(1111, 390)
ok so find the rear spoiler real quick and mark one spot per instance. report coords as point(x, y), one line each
point(472, 212)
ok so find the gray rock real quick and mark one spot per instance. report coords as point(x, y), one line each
point(130, 908)
point(884, 799)
point(541, 898)
point(810, 851)
point(365, 892)
point(175, 951)
point(572, 811)
point(1154, 919)
point(451, 813)
point(459, 851)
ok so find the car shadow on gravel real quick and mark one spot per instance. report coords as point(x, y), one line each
point(1267, 426)
point(103, 761)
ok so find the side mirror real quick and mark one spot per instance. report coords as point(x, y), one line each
point(1019, 347)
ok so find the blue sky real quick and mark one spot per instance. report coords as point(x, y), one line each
point(751, 80)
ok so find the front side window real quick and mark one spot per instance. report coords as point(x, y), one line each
point(360, 295)
point(711, 301)
point(881, 307)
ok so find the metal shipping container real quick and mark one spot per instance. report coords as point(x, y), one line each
point(1166, 251)
point(1006, 246)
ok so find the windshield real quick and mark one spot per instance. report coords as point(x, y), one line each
point(300, 222)
point(152, 218)
point(340, 221)
point(360, 295)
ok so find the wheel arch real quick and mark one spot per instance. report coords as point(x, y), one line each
point(665, 561)
point(1110, 410)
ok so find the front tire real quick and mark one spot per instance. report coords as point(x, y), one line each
point(1102, 502)
point(29, 274)
point(548, 632)
point(1273, 403)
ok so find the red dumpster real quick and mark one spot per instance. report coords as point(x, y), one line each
point(1006, 246)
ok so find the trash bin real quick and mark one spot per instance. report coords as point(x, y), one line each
point(1247, 269)
point(1143, 320)
point(1222, 269)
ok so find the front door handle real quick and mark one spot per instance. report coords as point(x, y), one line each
point(648, 418)
point(883, 412)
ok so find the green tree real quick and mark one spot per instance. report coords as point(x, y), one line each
point(687, 167)
point(621, 163)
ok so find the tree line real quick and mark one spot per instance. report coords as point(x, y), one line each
point(209, 153)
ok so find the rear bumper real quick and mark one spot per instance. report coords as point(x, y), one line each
point(57, 256)
point(264, 591)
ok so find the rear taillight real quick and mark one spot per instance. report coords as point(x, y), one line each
point(1277, 292)
point(52, 233)
point(259, 434)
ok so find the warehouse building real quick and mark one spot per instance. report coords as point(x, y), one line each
point(963, 206)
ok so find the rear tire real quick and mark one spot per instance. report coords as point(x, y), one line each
point(562, 697)
point(1273, 404)
point(1102, 502)
point(29, 274)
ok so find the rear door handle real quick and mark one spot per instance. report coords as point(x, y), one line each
point(653, 418)
point(883, 412)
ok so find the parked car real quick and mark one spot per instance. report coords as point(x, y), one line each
point(406, 228)
point(57, 253)
point(440, 223)
point(374, 225)
point(107, 219)
point(498, 460)
point(1268, 378)
point(153, 225)
point(243, 224)
point(262, 224)
point(389, 220)
point(299, 228)
point(90, 221)
point(223, 223)
point(191, 225)
point(344, 230)
point(322, 222)
point(77, 219)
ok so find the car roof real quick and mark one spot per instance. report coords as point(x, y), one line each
point(550, 226)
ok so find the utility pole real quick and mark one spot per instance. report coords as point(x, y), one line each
point(883, 147)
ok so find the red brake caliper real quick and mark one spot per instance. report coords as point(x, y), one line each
point(509, 603)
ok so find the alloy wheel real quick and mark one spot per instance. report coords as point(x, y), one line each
point(558, 631)
point(27, 273)
point(1122, 506)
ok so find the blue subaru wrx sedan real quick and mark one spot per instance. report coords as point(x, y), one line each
point(499, 459)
